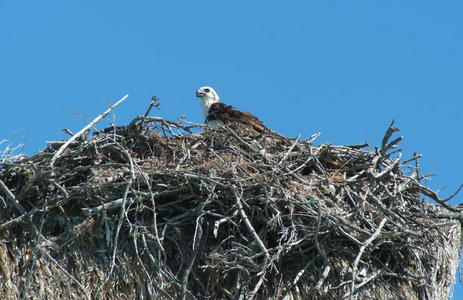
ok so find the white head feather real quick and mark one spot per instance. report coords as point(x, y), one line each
point(208, 96)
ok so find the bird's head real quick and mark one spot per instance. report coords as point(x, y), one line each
point(208, 97)
point(207, 94)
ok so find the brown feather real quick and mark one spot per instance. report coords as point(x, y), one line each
point(227, 113)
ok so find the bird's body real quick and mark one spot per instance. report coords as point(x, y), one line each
point(217, 113)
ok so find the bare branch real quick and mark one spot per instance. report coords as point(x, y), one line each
point(96, 120)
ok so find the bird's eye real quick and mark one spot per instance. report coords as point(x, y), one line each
point(207, 90)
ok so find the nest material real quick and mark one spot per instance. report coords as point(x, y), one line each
point(152, 211)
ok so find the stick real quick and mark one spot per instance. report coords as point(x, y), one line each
point(121, 216)
point(105, 206)
point(249, 225)
point(290, 149)
point(17, 219)
point(387, 135)
point(359, 255)
point(12, 198)
point(241, 140)
point(153, 102)
point(65, 272)
point(321, 251)
point(433, 195)
point(96, 120)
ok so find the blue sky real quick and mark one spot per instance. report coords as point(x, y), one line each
point(342, 68)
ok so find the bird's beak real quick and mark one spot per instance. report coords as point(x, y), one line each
point(199, 94)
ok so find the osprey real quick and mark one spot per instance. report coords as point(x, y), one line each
point(217, 113)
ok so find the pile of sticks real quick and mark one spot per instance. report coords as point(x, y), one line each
point(161, 209)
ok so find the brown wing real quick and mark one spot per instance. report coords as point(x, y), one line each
point(227, 113)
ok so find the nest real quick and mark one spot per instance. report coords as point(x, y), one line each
point(151, 210)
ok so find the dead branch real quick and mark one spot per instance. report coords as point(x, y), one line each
point(78, 134)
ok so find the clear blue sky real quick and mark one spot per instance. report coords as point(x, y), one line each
point(344, 68)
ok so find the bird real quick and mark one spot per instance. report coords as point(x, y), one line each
point(217, 113)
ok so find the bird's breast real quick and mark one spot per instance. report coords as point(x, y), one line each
point(214, 123)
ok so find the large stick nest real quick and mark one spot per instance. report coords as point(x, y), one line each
point(151, 210)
